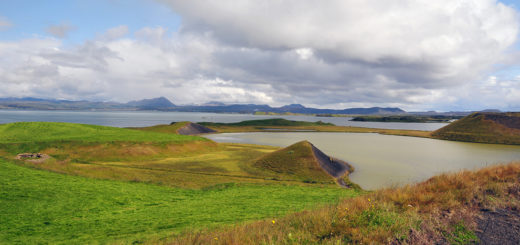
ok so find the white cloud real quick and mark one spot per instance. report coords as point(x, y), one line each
point(411, 54)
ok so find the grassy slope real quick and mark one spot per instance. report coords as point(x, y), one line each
point(194, 164)
point(295, 160)
point(198, 168)
point(85, 143)
point(442, 209)
point(478, 127)
point(23, 132)
point(164, 128)
point(43, 207)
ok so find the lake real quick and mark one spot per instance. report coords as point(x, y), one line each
point(387, 160)
point(150, 118)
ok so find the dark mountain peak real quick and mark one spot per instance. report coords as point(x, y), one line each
point(160, 102)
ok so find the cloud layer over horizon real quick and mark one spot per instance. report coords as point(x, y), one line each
point(418, 55)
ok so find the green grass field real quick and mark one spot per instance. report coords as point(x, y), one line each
point(104, 185)
point(23, 132)
point(43, 207)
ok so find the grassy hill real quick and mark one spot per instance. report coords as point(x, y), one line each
point(88, 142)
point(43, 207)
point(164, 128)
point(22, 132)
point(302, 160)
point(483, 127)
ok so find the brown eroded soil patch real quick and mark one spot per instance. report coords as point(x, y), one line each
point(501, 226)
point(33, 157)
point(194, 129)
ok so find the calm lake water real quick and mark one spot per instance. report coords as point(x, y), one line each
point(385, 160)
point(149, 118)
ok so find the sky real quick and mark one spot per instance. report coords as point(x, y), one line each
point(419, 55)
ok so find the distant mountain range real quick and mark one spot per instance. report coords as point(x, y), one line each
point(163, 104)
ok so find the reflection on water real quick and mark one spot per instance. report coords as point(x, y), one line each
point(386, 160)
point(150, 118)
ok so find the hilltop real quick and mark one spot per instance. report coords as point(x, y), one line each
point(483, 127)
point(182, 128)
point(151, 104)
point(306, 162)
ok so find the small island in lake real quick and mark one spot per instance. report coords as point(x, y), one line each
point(407, 118)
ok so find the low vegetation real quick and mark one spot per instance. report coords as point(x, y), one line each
point(269, 122)
point(191, 162)
point(44, 207)
point(282, 125)
point(24, 132)
point(443, 209)
point(484, 127)
point(69, 141)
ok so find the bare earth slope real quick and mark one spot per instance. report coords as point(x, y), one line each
point(306, 162)
point(193, 129)
point(496, 128)
point(182, 128)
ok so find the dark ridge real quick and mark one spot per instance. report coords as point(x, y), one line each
point(334, 167)
point(507, 119)
point(193, 129)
